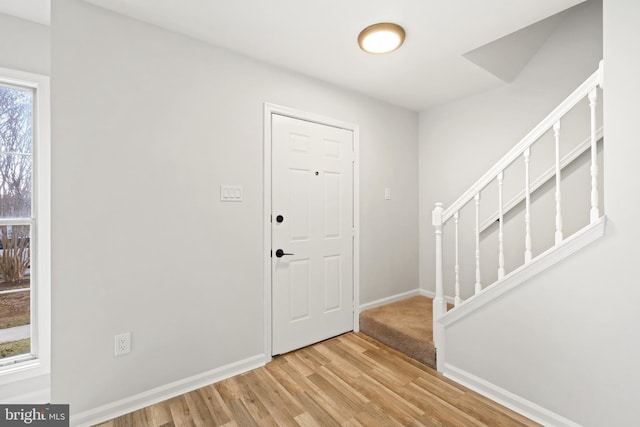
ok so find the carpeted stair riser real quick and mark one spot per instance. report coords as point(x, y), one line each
point(405, 326)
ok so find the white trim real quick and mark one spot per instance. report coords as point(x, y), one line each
point(266, 231)
point(388, 300)
point(520, 275)
point(546, 176)
point(164, 392)
point(527, 141)
point(270, 109)
point(432, 295)
point(13, 291)
point(19, 221)
point(41, 232)
point(399, 297)
point(438, 330)
point(504, 397)
point(356, 228)
point(429, 294)
point(601, 74)
point(40, 397)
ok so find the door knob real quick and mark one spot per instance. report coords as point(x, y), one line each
point(280, 253)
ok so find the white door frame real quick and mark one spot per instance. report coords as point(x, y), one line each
point(269, 110)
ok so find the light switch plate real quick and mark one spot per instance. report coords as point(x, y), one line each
point(387, 193)
point(231, 193)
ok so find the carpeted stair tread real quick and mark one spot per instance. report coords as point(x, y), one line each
point(405, 325)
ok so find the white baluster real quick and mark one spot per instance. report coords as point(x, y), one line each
point(559, 237)
point(457, 300)
point(500, 227)
point(439, 304)
point(527, 208)
point(478, 286)
point(593, 102)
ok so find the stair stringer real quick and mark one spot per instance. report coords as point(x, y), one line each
point(491, 293)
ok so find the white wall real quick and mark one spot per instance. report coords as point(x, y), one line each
point(24, 45)
point(461, 140)
point(567, 340)
point(146, 125)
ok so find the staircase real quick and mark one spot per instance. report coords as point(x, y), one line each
point(475, 261)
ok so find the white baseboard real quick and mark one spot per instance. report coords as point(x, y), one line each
point(506, 398)
point(432, 295)
point(400, 297)
point(389, 300)
point(428, 294)
point(167, 391)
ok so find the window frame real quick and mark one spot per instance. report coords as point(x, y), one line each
point(40, 364)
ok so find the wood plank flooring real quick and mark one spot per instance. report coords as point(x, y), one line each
point(351, 380)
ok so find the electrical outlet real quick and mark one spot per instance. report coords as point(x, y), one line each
point(122, 343)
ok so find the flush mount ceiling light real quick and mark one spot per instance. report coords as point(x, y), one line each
point(383, 37)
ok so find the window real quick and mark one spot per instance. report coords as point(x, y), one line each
point(16, 172)
point(24, 223)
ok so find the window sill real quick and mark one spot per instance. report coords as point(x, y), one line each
point(26, 382)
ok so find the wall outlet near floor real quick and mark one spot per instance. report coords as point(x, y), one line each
point(123, 343)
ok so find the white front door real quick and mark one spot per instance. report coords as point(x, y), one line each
point(312, 232)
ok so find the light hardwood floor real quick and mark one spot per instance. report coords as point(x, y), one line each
point(350, 380)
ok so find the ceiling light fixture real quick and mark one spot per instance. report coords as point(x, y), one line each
point(383, 37)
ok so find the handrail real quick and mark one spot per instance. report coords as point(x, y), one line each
point(576, 96)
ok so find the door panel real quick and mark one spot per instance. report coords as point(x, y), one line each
point(312, 188)
point(299, 281)
point(332, 283)
point(332, 205)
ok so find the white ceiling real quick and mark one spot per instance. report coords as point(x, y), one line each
point(319, 38)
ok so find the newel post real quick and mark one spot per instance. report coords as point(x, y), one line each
point(439, 304)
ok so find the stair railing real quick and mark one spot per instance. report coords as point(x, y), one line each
point(522, 150)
